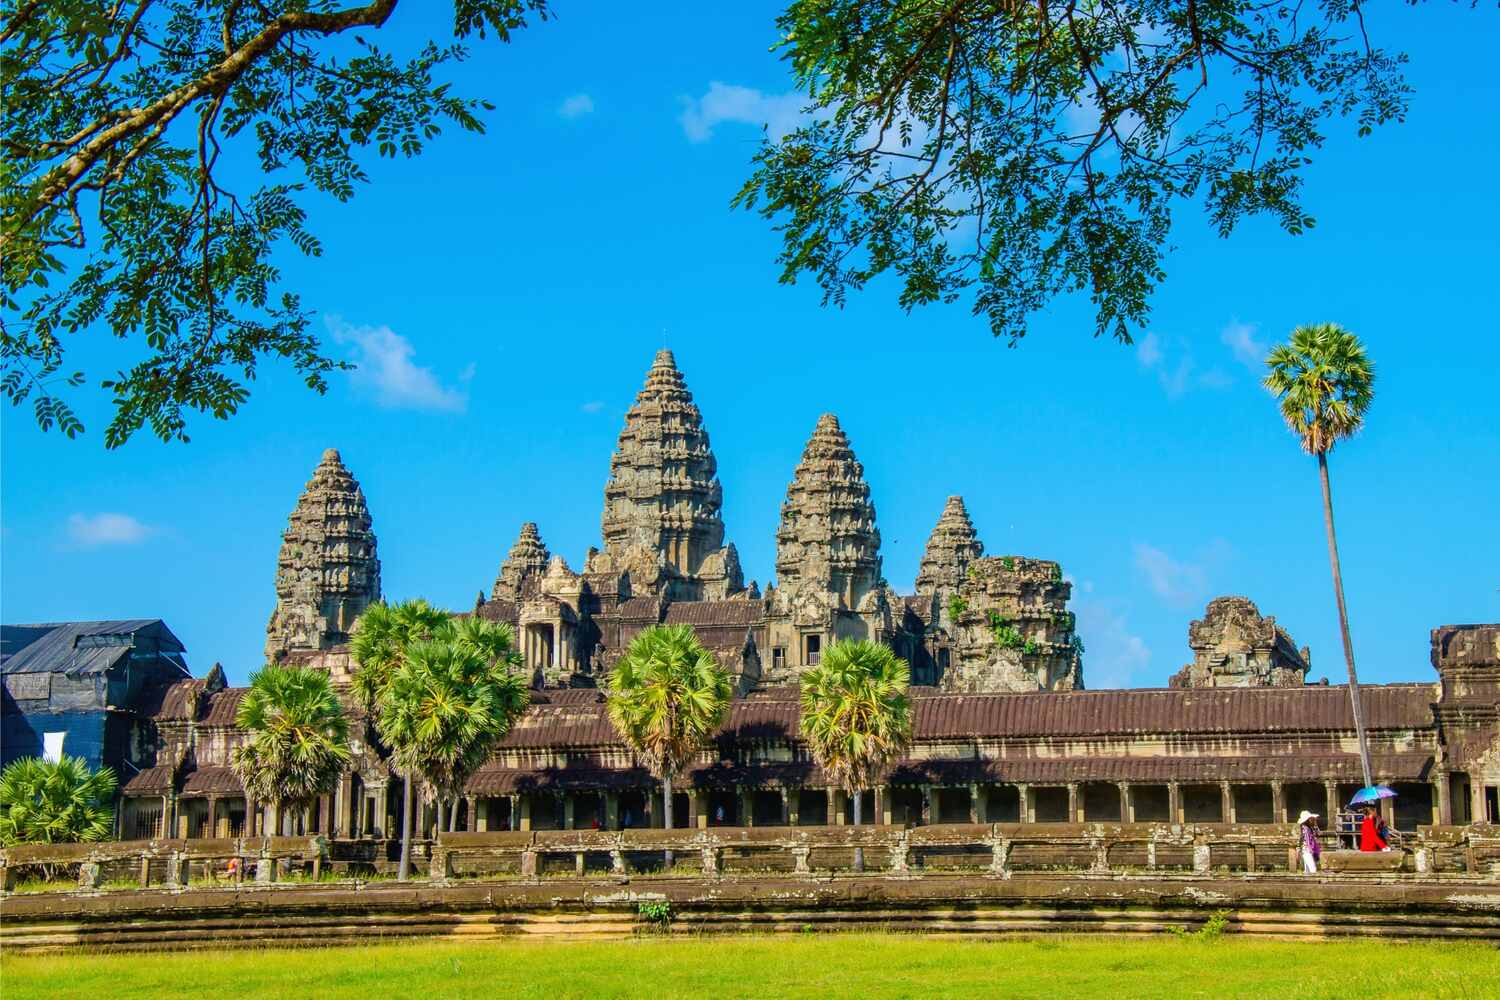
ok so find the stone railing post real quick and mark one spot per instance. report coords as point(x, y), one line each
point(7, 877)
point(441, 868)
point(1000, 857)
point(177, 870)
point(145, 869)
point(528, 864)
point(710, 861)
point(1101, 854)
point(88, 876)
point(1202, 858)
point(617, 861)
point(900, 856)
point(800, 857)
point(1422, 858)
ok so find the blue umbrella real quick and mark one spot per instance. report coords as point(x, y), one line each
point(1371, 793)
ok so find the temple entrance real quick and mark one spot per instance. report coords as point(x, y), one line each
point(812, 807)
point(633, 810)
point(1101, 802)
point(1051, 804)
point(906, 806)
point(1003, 804)
point(1151, 804)
point(1253, 804)
point(723, 809)
point(951, 805)
point(1202, 804)
point(767, 809)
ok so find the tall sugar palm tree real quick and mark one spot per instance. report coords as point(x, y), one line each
point(55, 802)
point(382, 636)
point(856, 715)
point(451, 700)
point(666, 698)
point(297, 738)
point(1325, 383)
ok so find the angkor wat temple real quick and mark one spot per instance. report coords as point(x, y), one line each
point(1004, 730)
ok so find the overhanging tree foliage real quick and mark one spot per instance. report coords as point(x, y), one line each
point(1015, 152)
point(117, 214)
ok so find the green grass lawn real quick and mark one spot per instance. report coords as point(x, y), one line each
point(864, 967)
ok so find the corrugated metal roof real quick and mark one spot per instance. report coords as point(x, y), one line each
point(55, 647)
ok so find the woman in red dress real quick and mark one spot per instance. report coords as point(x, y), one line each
point(1370, 832)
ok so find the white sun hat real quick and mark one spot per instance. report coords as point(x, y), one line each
point(1305, 817)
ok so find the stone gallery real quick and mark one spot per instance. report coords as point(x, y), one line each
point(1004, 729)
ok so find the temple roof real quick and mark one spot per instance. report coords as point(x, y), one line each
point(827, 538)
point(952, 545)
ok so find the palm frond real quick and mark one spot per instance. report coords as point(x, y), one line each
point(1325, 383)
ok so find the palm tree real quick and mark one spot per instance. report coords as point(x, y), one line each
point(381, 638)
point(1326, 383)
point(856, 715)
point(666, 698)
point(448, 703)
point(297, 738)
point(55, 802)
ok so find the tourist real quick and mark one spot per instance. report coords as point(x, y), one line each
point(1311, 850)
point(1372, 832)
point(719, 815)
point(232, 870)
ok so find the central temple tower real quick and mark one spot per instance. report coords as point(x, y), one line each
point(661, 506)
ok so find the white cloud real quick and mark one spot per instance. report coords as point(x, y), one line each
point(1248, 351)
point(1174, 366)
point(1112, 652)
point(1175, 582)
point(383, 360)
point(778, 113)
point(592, 406)
point(93, 530)
point(576, 106)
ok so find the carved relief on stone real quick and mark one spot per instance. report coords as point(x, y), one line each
point(526, 562)
point(327, 572)
point(827, 539)
point(1010, 628)
point(951, 547)
point(663, 496)
point(1235, 646)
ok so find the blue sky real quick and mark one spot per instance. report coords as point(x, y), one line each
point(504, 295)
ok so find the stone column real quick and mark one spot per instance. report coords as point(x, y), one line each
point(471, 815)
point(1278, 802)
point(883, 804)
point(835, 814)
point(1174, 802)
point(213, 817)
point(1127, 807)
point(794, 806)
point(611, 810)
point(1073, 803)
point(786, 809)
point(525, 812)
point(747, 807)
point(697, 815)
point(1226, 802)
point(515, 812)
point(1025, 812)
point(1331, 803)
point(974, 810)
point(929, 815)
point(1440, 798)
point(482, 816)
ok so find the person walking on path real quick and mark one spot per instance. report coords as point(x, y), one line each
point(1371, 832)
point(1311, 850)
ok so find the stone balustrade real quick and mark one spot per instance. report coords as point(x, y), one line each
point(169, 863)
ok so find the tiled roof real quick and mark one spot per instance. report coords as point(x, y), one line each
point(640, 607)
point(156, 780)
point(776, 714)
point(709, 613)
point(219, 708)
point(211, 780)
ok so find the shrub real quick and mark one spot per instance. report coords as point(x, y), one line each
point(657, 912)
point(956, 607)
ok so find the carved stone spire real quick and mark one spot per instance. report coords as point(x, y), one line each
point(661, 505)
point(527, 561)
point(327, 572)
point(952, 545)
point(828, 539)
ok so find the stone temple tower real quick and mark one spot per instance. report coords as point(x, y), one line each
point(327, 572)
point(527, 561)
point(951, 547)
point(827, 539)
point(661, 506)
